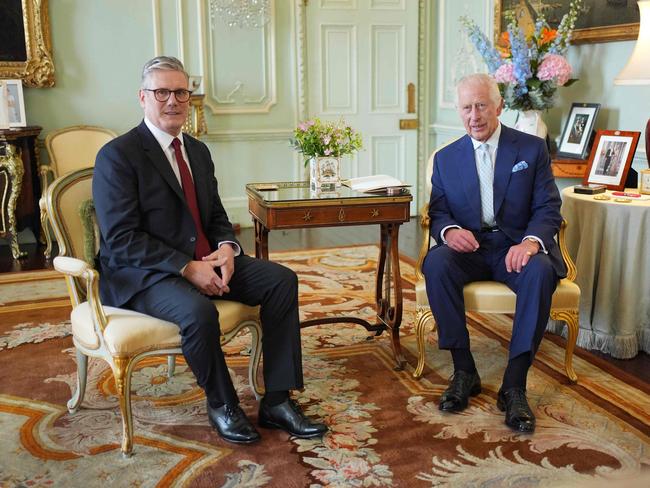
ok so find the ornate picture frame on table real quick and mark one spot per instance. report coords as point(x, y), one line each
point(12, 104)
point(576, 134)
point(611, 158)
point(600, 22)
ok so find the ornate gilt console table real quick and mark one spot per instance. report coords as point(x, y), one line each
point(293, 206)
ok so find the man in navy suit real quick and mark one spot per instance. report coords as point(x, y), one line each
point(167, 249)
point(494, 211)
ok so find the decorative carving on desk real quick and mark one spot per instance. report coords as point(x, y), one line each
point(341, 215)
point(307, 216)
point(12, 165)
point(374, 212)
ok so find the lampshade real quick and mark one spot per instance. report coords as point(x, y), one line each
point(637, 69)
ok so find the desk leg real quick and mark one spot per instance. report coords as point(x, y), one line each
point(261, 241)
point(12, 166)
point(388, 287)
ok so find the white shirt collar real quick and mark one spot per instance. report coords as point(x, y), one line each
point(163, 138)
point(493, 141)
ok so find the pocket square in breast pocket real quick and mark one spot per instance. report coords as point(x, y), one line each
point(521, 165)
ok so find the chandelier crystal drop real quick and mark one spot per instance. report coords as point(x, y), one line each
point(241, 13)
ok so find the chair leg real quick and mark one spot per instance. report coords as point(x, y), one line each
point(82, 374)
point(171, 365)
point(254, 362)
point(46, 229)
point(122, 374)
point(571, 318)
point(424, 315)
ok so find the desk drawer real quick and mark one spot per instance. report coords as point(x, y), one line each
point(338, 215)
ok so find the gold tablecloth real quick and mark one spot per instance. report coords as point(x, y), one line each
point(610, 243)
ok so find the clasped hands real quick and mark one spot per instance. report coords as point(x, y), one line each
point(462, 240)
point(202, 273)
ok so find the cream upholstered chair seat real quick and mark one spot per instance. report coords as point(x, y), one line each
point(68, 149)
point(119, 336)
point(495, 297)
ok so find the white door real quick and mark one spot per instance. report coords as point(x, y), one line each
point(361, 58)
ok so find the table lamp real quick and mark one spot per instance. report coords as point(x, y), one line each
point(637, 69)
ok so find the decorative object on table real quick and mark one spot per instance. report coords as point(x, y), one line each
point(637, 69)
point(577, 132)
point(592, 189)
point(611, 158)
point(644, 181)
point(195, 124)
point(26, 50)
point(242, 13)
point(613, 20)
point(529, 64)
point(13, 104)
point(323, 144)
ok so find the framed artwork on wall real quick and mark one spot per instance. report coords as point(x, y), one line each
point(13, 104)
point(611, 158)
point(599, 21)
point(576, 134)
point(25, 46)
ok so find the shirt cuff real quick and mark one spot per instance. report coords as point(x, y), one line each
point(444, 229)
point(234, 245)
point(539, 241)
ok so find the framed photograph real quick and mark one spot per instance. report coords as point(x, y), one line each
point(599, 21)
point(13, 105)
point(577, 131)
point(611, 158)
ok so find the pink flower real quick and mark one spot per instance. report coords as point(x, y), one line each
point(556, 67)
point(302, 126)
point(505, 74)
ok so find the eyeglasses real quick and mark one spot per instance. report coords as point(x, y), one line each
point(162, 94)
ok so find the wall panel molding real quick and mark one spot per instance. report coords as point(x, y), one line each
point(249, 135)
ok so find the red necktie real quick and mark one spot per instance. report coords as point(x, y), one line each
point(202, 245)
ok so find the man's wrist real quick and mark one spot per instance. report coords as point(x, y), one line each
point(532, 240)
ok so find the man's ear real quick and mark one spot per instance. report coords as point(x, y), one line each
point(141, 95)
point(500, 107)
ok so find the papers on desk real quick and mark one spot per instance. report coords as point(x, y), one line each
point(376, 184)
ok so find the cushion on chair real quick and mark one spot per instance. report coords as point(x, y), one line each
point(129, 331)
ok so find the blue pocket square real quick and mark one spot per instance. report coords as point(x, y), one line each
point(521, 165)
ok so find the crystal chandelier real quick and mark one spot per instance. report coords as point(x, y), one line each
point(241, 13)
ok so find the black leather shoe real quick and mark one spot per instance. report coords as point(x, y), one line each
point(461, 387)
point(232, 425)
point(289, 417)
point(519, 416)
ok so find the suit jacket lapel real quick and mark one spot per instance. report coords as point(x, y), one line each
point(506, 159)
point(155, 154)
point(468, 174)
point(201, 180)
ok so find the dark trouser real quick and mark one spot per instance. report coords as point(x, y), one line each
point(254, 282)
point(447, 272)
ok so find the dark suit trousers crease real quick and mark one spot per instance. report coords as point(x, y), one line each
point(447, 272)
point(254, 282)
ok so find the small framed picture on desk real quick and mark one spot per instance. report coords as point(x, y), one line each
point(577, 131)
point(12, 105)
point(611, 158)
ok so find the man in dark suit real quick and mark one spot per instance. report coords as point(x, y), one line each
point(494, 210)
point(167, 249)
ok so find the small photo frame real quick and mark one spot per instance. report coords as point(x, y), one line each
point(644, 181)
point(576, 134)
point(13, 104)
point(611, 158)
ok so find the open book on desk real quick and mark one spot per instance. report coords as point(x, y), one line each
point(375, 184)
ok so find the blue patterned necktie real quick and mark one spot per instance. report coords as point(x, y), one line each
point(486, 180)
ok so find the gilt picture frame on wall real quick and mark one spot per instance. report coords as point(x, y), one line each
point(576, 134)
point(611, 158)
point(13, 104)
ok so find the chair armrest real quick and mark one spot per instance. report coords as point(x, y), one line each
point(78, 268)
point(426, 240)
point(570, 265)
point(43, 171)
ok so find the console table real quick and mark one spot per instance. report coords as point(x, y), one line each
point(20, 187)
point(293, 206)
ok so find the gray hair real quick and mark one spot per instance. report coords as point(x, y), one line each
point(166, 63)
point(481, 79)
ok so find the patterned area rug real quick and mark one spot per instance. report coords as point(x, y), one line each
point(386, 429)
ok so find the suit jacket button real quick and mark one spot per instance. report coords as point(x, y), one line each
point(192, 239)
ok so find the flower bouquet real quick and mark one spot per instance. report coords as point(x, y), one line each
point(528, 66)
point(323, 144)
